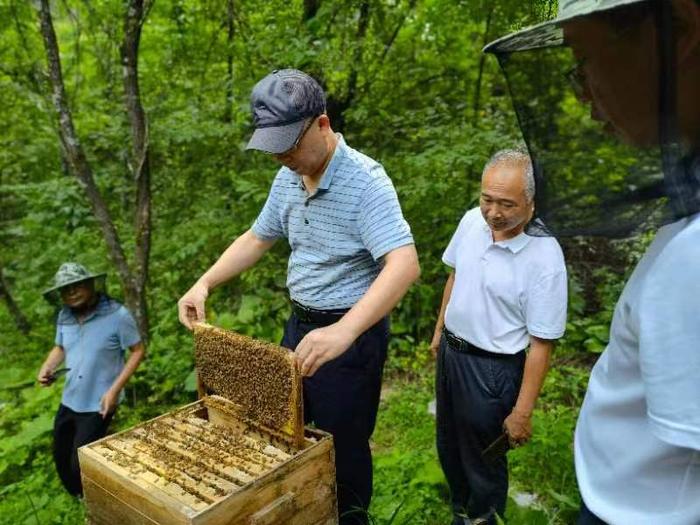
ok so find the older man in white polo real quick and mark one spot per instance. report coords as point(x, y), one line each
point(503, 307)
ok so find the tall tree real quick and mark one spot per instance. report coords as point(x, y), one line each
point(139, 164)
point(134, 279)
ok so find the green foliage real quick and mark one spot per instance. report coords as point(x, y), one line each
point(409, 483)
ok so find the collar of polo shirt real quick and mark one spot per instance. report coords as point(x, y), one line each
point(514, 244)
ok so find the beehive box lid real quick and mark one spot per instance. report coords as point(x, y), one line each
point(261, 378)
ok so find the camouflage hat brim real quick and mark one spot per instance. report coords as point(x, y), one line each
point(56, 288)
point(549, 34)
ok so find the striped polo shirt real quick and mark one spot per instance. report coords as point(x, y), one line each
point(339, 234)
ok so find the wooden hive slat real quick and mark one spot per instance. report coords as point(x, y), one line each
point(165, 469)
point(211, 473)
point(106, 482)
point(226, 470)
point(190, 457)
point(149, 480)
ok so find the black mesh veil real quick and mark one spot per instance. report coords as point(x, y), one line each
point(609, 160)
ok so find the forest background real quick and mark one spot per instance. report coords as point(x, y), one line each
point(122, 147)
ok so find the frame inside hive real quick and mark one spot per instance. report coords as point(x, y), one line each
point(263, 379)
point(197, 455)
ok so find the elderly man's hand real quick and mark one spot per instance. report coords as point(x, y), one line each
point(108, 403)
point(519, 428)
point(322, 345)
point(190, 308)
point(45, 376)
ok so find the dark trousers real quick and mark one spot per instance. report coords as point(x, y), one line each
point(475, 393)
point(586, 517)
point(72, 430)
point(342, 398)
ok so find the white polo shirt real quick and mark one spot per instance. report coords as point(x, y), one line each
point(504, 291)
point(637, 443)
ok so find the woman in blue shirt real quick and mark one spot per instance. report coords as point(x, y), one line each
point(93, 332)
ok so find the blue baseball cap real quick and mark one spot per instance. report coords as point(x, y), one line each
point(281, 102)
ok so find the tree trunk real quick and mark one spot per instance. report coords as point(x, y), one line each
point(139, 164)
point(20, 320)
point(311, 7)
point(482, 62)
point(134, 286)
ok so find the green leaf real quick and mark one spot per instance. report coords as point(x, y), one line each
point(565, 500)
point(191, 382)
point(599, 331)
point(594, 345)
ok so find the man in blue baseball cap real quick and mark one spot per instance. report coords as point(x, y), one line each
point(352, 259)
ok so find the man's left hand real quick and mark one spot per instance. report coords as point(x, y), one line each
point(322, 345)
point(518, 427)
point(108, 403)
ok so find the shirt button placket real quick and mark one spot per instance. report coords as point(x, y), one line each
point(80, 348)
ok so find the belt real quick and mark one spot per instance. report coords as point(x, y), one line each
point(465, 347)
point(314, 316)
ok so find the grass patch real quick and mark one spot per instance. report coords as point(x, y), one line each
point(409, 487)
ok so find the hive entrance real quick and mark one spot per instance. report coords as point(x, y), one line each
point(260, 377)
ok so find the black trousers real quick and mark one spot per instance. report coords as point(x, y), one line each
point(342, 398)
point(72, 430)
point(474, 393)
point(586, 517)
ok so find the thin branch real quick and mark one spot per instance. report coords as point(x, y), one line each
point(78, 51)
point(21, 321)
point(482, 63)
point(397, 29)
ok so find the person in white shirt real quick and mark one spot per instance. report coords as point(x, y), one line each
point(507, 292)
point(637, 441)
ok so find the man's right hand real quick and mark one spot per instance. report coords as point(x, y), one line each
point(190, 308)
point(45, 376)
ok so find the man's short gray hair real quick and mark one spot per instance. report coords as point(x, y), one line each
point(515, 157)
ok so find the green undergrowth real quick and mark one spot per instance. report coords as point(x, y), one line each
point(409, 487)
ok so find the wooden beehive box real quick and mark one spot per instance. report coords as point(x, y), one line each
point(213, 462)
